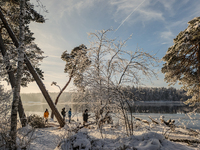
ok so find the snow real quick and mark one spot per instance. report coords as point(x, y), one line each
point(146, 137)
point(145, 141)
point(46, 139)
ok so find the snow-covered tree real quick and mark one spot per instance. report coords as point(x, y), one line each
point(76, 63)
point(34, 71)
point(112, 68)
point(183, 61)
point(18, 78)
point(11, 12)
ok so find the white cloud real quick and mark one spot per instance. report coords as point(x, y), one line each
point(167, 36)
point(69, 7)
point(144, 13)
point(119, 9)
point(168, 5)
point(151, 15)
point(53, 62)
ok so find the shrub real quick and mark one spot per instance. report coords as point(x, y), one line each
point(36, 121)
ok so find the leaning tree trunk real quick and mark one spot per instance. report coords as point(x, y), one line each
point(12, 82)
point(16, 92)
point(34, 73)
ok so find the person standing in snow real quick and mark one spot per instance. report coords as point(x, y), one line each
point(63, 112)
point(46, 115)
point(85, 117)
point(69, 114)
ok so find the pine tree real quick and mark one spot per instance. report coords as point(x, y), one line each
point(34, 59)
point(10, 10)
point(76, 63)
point(183, 61)
point(9, 13)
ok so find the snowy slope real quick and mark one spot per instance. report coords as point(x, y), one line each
point(113, 139)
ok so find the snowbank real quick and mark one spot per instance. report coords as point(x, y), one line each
point(146, 141)
point(146, 137)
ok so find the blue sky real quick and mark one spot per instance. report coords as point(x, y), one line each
point(153, 23)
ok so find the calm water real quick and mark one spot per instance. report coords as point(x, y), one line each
point(189, 120)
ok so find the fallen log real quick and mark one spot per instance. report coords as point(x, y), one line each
point(100, 123)
point(170, 123)
point(153, 120)
point(192, 132)
point(188, 141)
point(139, 119)
point(80, 127)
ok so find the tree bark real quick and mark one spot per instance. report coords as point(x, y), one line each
point(34, 73)
point(11, 76)
point(16, 92)
point(44, 92)
point(198, 58)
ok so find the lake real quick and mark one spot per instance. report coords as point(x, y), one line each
point(188, 120)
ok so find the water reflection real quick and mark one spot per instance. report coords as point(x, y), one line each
point(170, 112)
point(80, 107)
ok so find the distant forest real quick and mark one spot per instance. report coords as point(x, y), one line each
point(38, 97)
point(155, 94)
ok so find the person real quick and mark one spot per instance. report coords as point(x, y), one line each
point(46, 115)
point(85, 117)
point(63, 112)
point(69, 114)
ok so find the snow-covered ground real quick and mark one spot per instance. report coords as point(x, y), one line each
point(145, 141)
point(146, 137)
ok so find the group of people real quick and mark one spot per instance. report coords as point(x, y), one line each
point(63, 112)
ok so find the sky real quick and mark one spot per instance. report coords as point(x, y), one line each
point(153, 25)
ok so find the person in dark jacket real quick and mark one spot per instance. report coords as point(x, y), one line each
point(63, 112)
point(70, 114)
point(85, 116)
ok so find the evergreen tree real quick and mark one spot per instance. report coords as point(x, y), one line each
point(31, 60)
point(11, 12)
point(183, 61)
point(76, 63)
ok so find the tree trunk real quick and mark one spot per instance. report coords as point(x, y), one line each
point(12, 82)
point(34, 73)
point(44, 92)
point(198, 58)
point(56, 101)
point(16, 92)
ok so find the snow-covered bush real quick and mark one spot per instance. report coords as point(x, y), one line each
point(145, 141)
point(79, 141)
point(36, 121)
point(24, 135)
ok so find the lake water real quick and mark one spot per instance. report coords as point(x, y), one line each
point(184, 119)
